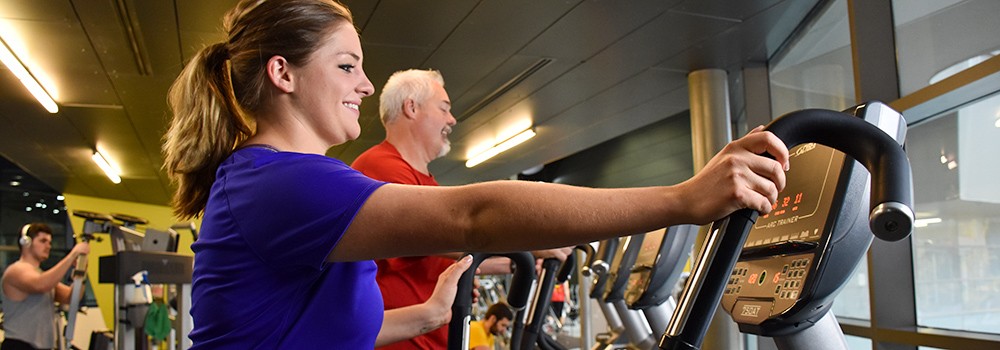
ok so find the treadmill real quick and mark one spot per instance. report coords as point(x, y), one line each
point(778, 274)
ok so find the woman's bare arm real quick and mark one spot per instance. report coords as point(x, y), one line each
point(401, 220)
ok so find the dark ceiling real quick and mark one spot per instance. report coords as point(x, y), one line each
point(581, 71)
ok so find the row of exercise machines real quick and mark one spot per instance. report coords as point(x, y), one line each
point(776, 275)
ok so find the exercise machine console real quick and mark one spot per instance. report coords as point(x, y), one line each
point(777, 275)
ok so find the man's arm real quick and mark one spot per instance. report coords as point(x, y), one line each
point(499, 265)
point(410, 321)
point(63, 293)
point(25, 278)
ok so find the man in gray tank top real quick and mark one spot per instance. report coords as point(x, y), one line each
point(29, 293)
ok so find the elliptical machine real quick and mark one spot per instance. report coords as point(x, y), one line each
point(609, 290)
point(531, 334)
point(777, 275)
point(517, 298)
point(657, 269)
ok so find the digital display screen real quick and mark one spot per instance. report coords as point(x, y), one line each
point(650, 248)
point(638, 279)
point(803, 206)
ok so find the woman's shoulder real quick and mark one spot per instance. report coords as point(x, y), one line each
point(264, 159)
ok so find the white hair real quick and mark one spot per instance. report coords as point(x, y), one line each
point(414, 84)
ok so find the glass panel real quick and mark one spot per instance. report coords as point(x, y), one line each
point(937, 38)
point(956, 242)
point(858, 343)
point(853, 299)
point(816, 70)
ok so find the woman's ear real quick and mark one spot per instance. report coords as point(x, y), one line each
point(279, 72)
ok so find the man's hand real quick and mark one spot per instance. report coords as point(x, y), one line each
point(558, 253)
point(81, 248)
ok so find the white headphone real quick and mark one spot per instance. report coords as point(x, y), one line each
point(25, 241)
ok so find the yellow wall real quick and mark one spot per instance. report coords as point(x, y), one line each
point(160, 217)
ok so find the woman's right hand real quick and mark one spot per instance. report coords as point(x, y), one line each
point(737, 177)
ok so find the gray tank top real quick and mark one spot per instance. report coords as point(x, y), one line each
point(31, 320)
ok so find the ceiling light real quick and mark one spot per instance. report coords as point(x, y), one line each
point(103, 162)
point(500, 147)
point(15, 183)
point(26, 78)
point(997, 122)
point(925, 222)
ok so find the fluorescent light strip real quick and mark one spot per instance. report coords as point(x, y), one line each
point(925, 222)
point(503, 146)
point(103, 163)
point(28, 80)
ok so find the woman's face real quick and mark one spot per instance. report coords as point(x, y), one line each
point(331, 85)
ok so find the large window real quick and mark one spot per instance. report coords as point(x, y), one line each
point(937, 38)
point(816, 71)
point(956, 244)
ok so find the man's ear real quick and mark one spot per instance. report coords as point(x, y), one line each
point(279, 73)
point(409, 108)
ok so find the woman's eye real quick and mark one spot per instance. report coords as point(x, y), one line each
point(347, 67)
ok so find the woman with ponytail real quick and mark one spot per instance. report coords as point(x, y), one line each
point(288, 235)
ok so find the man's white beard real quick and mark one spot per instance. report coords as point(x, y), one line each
point(445, 148)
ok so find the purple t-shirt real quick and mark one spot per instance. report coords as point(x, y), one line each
point(261, 280)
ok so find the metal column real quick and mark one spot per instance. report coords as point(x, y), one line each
point(586, 324)
point(710, 132)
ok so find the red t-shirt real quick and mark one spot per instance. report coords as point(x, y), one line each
point(558, 294)
point(410, 280)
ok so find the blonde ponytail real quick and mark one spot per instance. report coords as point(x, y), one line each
point(206, 127)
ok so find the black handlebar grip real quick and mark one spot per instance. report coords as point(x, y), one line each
point(543, 302)
point(589, 250)
point(524, 275)
point(566, 269)
point(891, 217)
point(520, 290)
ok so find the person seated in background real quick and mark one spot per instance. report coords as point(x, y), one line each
point(482, 333)
point(29, 294)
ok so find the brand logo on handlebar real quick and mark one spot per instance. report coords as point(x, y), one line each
point(750, 310)
point(805, 147)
